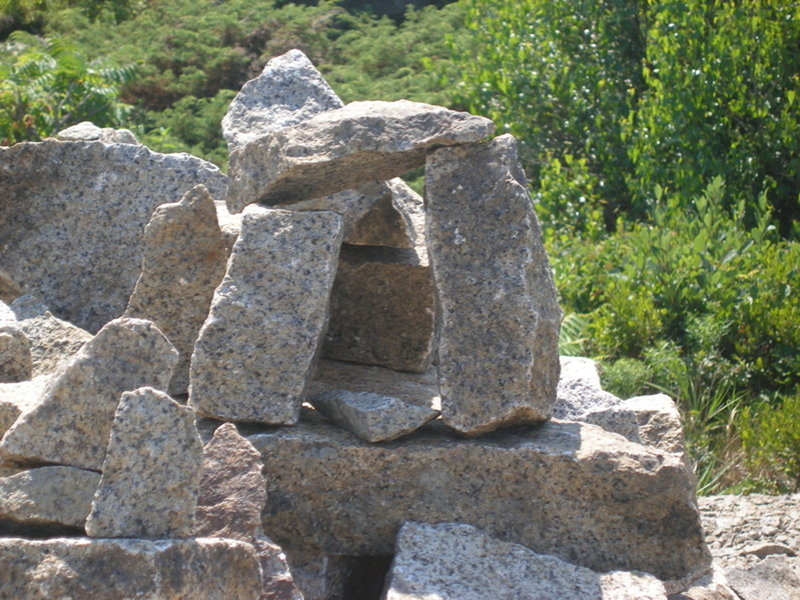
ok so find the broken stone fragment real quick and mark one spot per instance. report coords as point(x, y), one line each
point(564, 488)
point(105, 569)
point(84, 264)
point(453, 561)
point(372, 417)
point(396, 220)
point(15, 348)
point(341, 149)
point(16, 398)
point(231, 497)
point(151, 471)
point(53, 341)
point(184, 261)
point(499, 316)
point(71, 421)
point(87, 131)
point(260, 341)
point(48, 497)
point(381, 309)
point(659, 421)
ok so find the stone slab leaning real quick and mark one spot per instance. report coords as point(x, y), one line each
point(260, 341)
point(497, 306)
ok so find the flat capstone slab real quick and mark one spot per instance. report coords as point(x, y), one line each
point(569, 489)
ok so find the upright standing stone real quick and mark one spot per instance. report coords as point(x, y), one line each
point(498, 346)
point(15, 348)
point(73, 218)
point(231, 497)
point(259, 344)
point(184, 261)
point(345, 148)
point(53, 340)
point(453, 561)
point(71, 423)
point(151, 472)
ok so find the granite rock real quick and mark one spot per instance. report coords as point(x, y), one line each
point(776, 577)
point(659, 422)
point(497, 306)
point(418, 389)
point(46, 497)
point(151, 472)
point(319, 576)
point(53, 340)
point(288, 91)
point(372, 417)
point(87, 131)
point(84, 264)
point(452, 561)
point(381, 309)
point(184, 261)
point(711, 586)
point(259, 343)
point(16, 398)
point(71, 421)
point(564, 488)
point(231, 496)
point(15, 348)
point(344, 148)
point(105, 569)
point(396, 219)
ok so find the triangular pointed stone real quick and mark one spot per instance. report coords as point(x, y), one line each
point(15, 348)
point(71, 422)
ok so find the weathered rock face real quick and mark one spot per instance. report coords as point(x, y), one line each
point(320, 577)
point(151, 471)
point(344, 148)
point(258, 346)
point(200, 569)
point(288, 91)
point(89, 132)
point(16, 398)
point(499, 314)
point(15, 349)
point(659, 421)
point(372, 417)
point(231, 496)
point(53, 341)
point(84, 264)
point(452, 561)
point(47, 497)
point(72, 420)
point(396, 219)
point(568, 489)
point(184, 261)
point(381, 309)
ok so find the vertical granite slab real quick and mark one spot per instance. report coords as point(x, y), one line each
point(498, 308)
point(184, 261)
point(71, 421)
point(15, 348)
point(453, 561)
point(382, 309)
point(260, 341)
point(151, 472)
point(84, 263)
point(53, 340)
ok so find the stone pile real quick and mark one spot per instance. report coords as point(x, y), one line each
point(391, 363)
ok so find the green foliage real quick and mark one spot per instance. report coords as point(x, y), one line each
point(771, 443)
point(721, 100)
point(46, 85)
point(626, 377)
point(572, 335)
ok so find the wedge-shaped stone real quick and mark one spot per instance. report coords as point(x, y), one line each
point(151, 472)
point(53, 340)
point(71, 422)
point(569, 489)
point(15, 348)
point(452, 561)
point(381, 309)
point(230, 500)
point(341, 149)
point(259, 344)
point(184, 261)
point(84, 261)
point(88, 569)
point(47, 497)
point(372, 417)
point(498, 345)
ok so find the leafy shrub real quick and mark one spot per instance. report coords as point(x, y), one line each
point(626, 377)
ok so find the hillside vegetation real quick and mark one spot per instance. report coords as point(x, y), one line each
point(661, 140)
